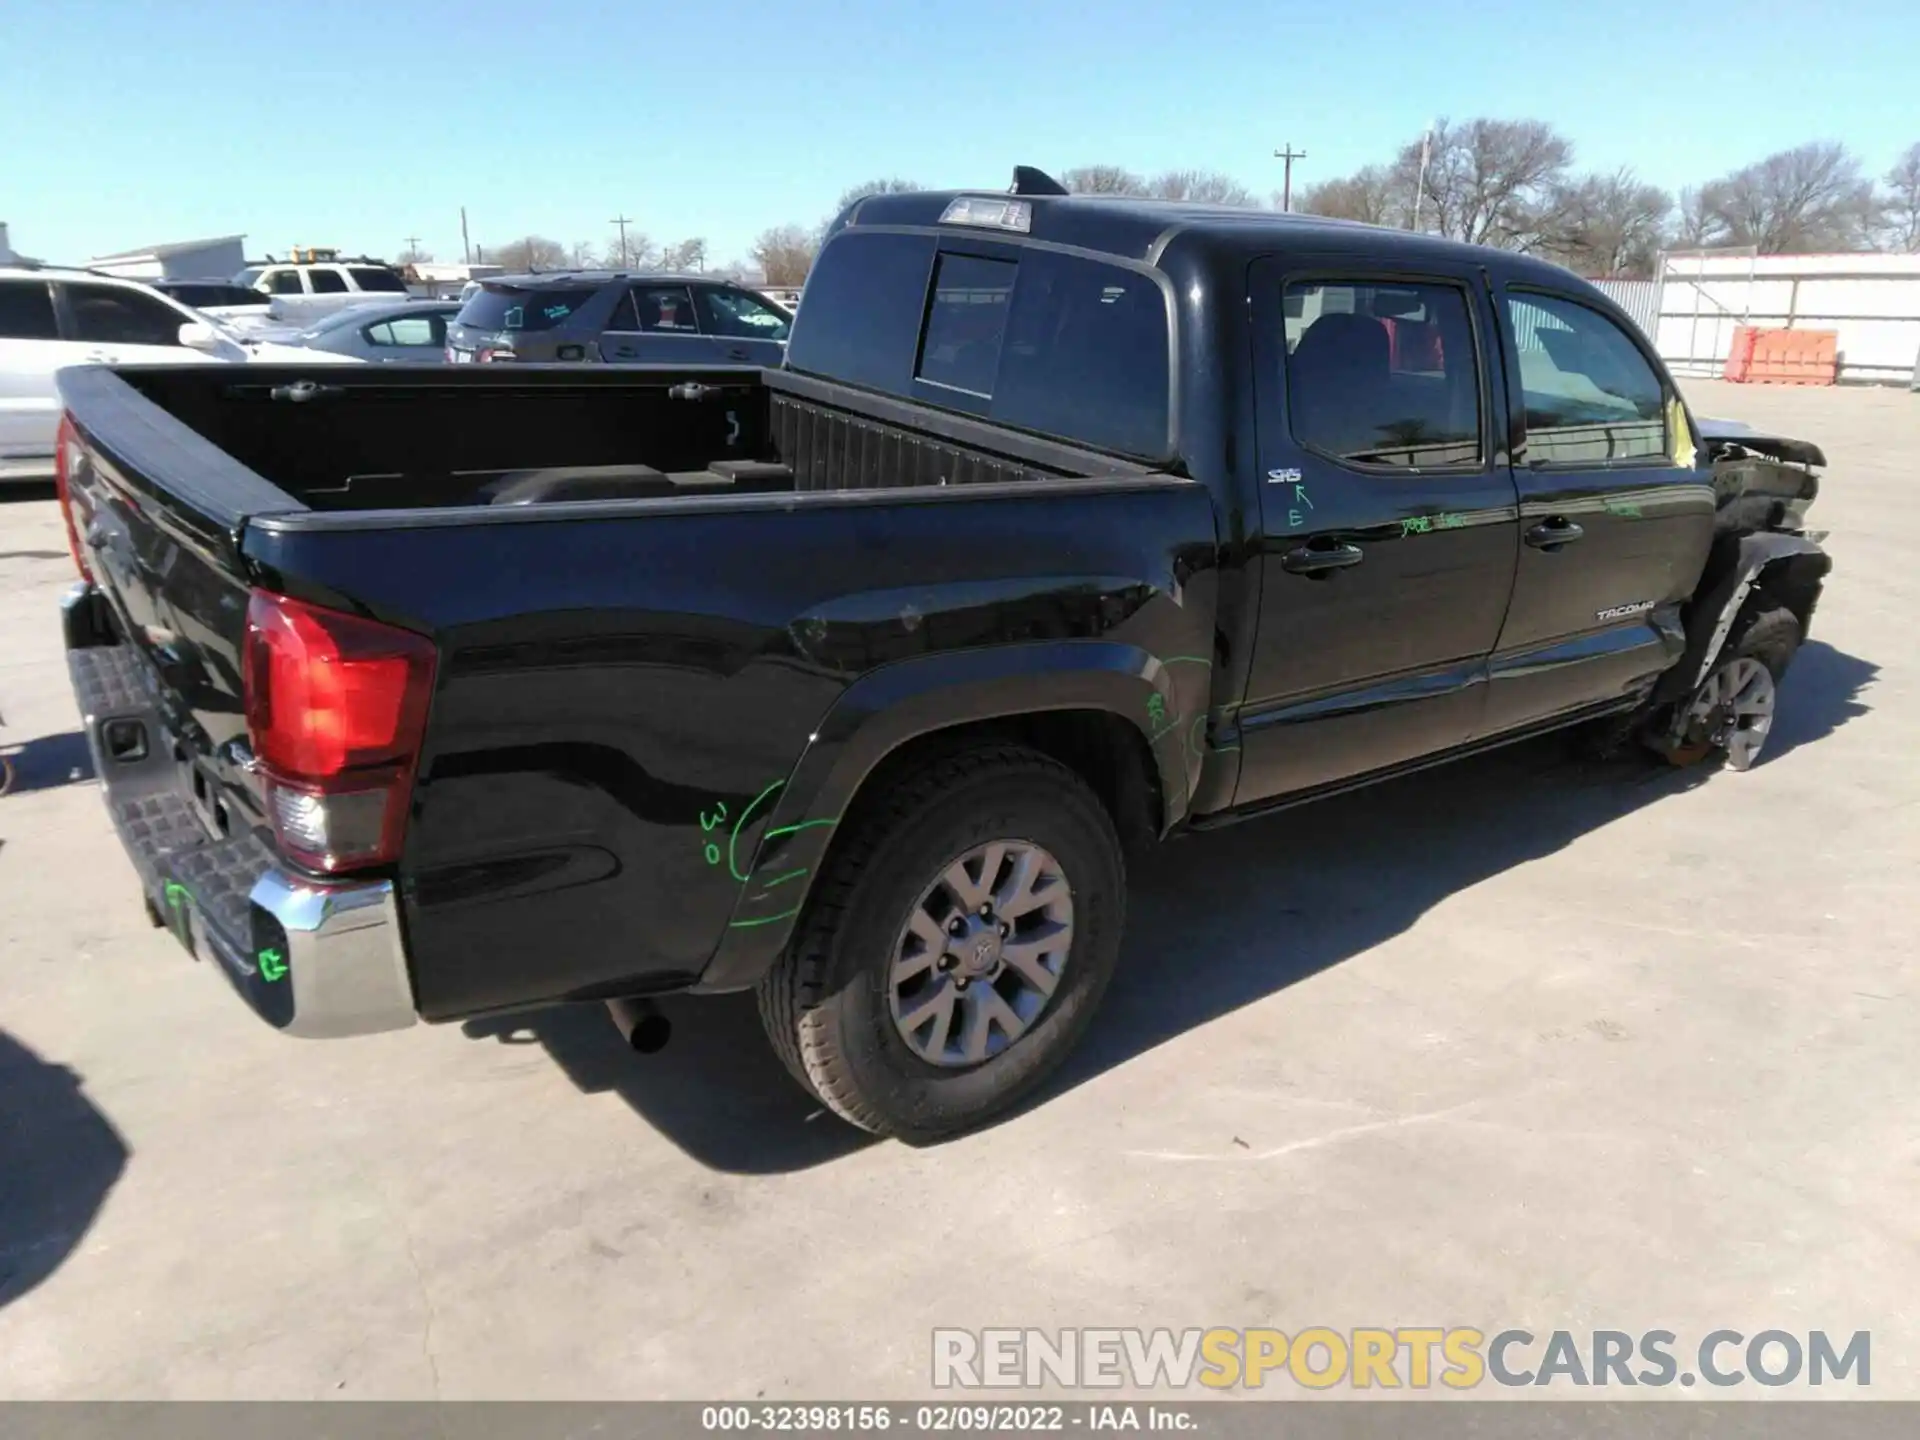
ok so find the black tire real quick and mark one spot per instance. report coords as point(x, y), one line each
point(1764, 631)
point(825, 1003)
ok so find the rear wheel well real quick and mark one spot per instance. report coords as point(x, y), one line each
point(1110, 754)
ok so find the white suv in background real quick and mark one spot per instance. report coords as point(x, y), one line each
point(303, 292)
point(52, 318)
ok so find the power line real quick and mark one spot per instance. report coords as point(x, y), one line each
point(1289, 155)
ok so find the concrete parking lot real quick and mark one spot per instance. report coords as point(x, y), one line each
point(1527, 1041)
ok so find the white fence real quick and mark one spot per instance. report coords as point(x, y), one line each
point(1872, 302)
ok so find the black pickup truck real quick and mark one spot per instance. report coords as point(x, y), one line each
point(1069, 524)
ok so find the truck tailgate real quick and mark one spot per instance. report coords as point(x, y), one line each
point(155, 636)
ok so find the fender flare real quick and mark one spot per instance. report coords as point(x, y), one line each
point(1720, 604)
point(1164, 698)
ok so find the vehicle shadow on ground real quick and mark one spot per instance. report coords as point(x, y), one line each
point(20, 492)
point(717, 1090)
point(1215, 922)
point(59, 1156)
point(49, 761)
point(1226, 919)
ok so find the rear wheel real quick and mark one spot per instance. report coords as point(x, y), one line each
point(1731, 712)
point(955, 948)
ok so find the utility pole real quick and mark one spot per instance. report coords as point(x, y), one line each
point(622, 221)
point(1420, 185)
point(413, 246)
point(466, 250)
point(1288, 155)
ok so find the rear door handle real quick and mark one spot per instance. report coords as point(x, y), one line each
point(102, 357)
point(1320, 560)
point(738, 355)
point(1550, 535)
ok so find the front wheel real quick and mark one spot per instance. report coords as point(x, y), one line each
point(1731, 712)
point(955, 947)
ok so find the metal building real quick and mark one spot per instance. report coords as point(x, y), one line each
point(217, 259)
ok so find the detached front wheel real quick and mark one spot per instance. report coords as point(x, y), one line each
point(955, 947)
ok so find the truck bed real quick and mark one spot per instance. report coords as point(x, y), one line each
point(795, 570)
point(415, 437)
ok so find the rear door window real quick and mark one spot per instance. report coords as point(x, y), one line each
point(658, 310)
point(26, 311)
point(285, 282)
point(1383, 372)
point(327, 282)
point(110, 315)
point(966, 323)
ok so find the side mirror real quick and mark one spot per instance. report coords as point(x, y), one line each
point(199, 335)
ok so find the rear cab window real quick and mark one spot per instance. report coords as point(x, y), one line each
point(1070, 347)
point(508, 307)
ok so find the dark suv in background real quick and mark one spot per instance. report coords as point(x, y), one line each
point(618, 319)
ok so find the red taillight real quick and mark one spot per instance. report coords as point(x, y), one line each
point(496, 357)
point(336, 710)
point(66, 452)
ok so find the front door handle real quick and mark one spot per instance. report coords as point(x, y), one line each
point(738, 355)
point(102, 357)
point(1320, 561)
point(1551, 534)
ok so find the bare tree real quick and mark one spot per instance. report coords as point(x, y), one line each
point(639, 253)
point(1694, 227)
point(1900, 211)
point(888, 185)
point(531, 252)
point(414, 255)
point(784, 254)
point(1104, 180)
point(1203, 187)
point(689, 254)
point(1373, 196)
point(582, 256)
point(1609, 225)
point(1810, 198)
point(1490, 182)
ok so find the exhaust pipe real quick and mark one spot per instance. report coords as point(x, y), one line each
point(641, 1025)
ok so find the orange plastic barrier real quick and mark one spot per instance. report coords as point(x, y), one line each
point(1795, 357)
point(1740, 357)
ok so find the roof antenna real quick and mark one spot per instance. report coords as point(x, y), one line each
point(1029, 181)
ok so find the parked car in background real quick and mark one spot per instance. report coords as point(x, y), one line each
point(381, 332)
point(52, 318)
point(616, 318)
point(304, 291)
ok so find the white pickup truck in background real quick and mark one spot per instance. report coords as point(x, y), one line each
point(52, 318)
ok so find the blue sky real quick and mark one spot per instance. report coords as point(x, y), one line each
point(359, 124)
